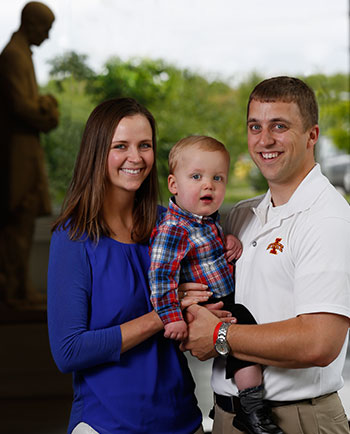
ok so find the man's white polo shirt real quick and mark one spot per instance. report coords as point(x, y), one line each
point(295, 263)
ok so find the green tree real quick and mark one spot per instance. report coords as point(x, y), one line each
point(61, 145)
point(333, 95)
point(69, 76)
point(141, 79)
point(183, 103)
point(69, 65)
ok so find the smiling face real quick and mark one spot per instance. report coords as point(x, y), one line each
point(279, 144)
point(131, 154)
point(199, 180)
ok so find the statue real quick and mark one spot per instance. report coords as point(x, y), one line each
point(24, 114)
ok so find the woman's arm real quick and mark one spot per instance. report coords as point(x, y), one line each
point(139, 329)
point(74, 346)
point(136, 331)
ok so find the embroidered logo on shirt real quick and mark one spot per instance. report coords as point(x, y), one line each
point(276, 246)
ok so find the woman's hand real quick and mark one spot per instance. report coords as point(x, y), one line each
point(191, 293)
point(215, 309)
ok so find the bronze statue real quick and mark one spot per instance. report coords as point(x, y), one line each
point(24, 114)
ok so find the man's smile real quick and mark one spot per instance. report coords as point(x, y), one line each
point(269, 155)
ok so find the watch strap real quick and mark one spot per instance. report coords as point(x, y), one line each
point(216, 331)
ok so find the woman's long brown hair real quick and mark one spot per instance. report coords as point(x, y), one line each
point(82, 207)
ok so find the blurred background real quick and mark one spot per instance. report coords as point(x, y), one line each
point(193, 64)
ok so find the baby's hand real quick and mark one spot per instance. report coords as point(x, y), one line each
point(233, 248)
point(176, 330)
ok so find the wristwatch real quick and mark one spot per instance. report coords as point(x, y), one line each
point(220, 342)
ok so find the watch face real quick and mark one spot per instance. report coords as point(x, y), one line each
point(222, 348)
point(221, 344)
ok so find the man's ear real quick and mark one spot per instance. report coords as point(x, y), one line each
point(172, 184)
point(313, 136)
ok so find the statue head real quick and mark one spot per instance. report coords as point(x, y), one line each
point(36, 22)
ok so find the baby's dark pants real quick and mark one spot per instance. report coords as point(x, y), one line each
point(243, 317)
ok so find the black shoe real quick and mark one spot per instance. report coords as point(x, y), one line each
point(254, 416)
point(257, 422)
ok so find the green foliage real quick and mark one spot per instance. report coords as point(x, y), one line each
point(183, 103)
point(69, 65)
point(333, 96)
point(256, 180)
point(61, 144)
point(142, 79)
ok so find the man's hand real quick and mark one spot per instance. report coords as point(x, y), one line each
point(201, 325)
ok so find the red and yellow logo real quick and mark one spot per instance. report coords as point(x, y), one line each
point(276, 246)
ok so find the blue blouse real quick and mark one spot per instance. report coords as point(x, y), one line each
point(92, 289)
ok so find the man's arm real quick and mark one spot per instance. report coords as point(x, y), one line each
point(301, 342)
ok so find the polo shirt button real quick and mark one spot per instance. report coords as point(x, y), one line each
point(254, 243)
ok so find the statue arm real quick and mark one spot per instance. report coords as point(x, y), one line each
point(39, 112)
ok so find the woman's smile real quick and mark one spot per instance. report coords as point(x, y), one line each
point(131, 154)
point(131, 171)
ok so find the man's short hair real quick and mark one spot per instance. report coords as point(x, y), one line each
point(288, 89)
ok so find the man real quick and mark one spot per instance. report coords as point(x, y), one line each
point(293, 275)
point(24, 113)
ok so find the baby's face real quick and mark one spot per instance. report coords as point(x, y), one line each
point(199, 180)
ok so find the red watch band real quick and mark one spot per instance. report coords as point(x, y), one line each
point(216, 331)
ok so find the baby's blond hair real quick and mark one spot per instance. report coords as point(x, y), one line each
point(204, 143)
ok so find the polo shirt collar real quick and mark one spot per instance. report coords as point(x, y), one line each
point(304, 196)
point(188, 215)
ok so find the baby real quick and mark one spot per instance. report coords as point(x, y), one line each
point(187, 245)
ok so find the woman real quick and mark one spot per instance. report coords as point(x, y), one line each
point(127, 377)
